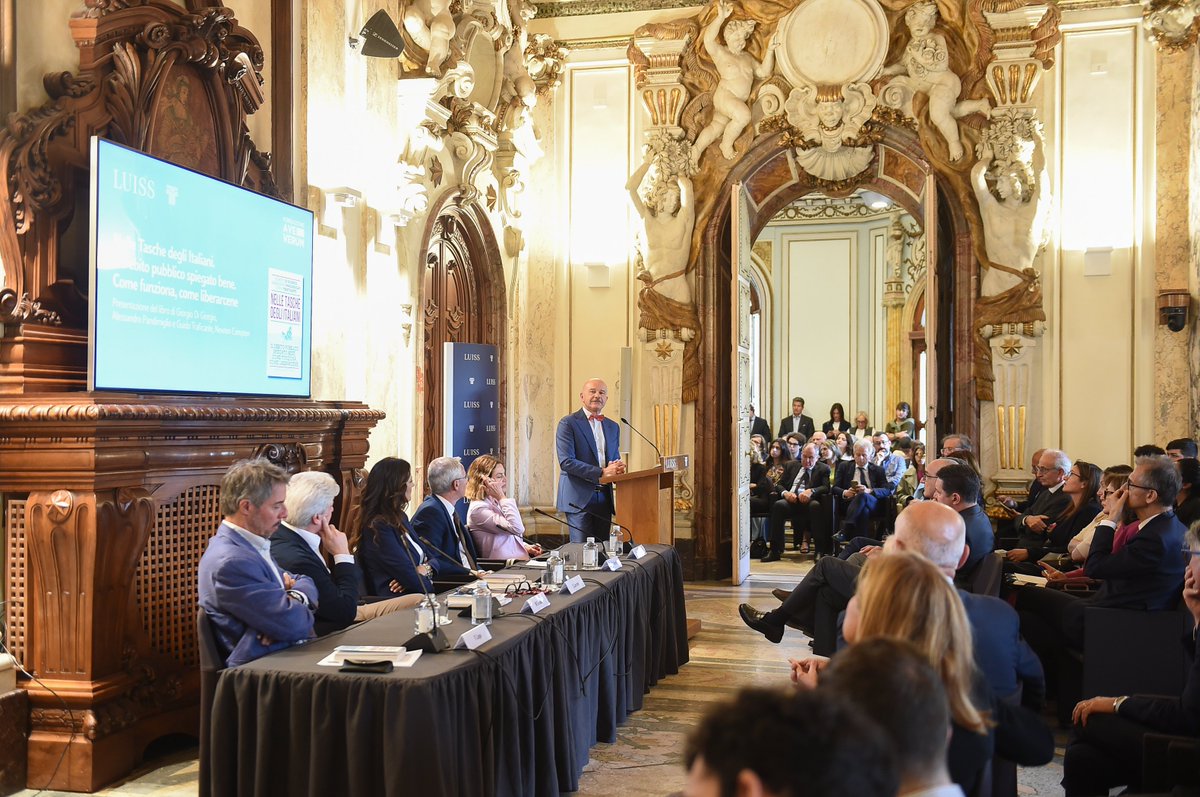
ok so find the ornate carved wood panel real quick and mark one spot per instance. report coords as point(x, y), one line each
point(462, 302)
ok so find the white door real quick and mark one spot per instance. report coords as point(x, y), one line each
point(740, 315)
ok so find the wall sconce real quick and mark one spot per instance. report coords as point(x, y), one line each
point(1173, 308)
point(597, 275)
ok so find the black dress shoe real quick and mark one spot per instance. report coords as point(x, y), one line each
point(773, 556)
point(759, 622)
point(781, 594)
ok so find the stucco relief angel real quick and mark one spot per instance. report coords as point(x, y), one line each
point(1016, 216)
point(925, 68)
point(431, 26)
point(737, 70)
point(829, 120)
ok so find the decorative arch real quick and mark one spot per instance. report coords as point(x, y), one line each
point(461, 300)
point(899, 170)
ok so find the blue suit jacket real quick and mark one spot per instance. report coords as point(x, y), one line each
point(580, 463)
point(1005, 660)
point(337, 591)
point(432, 524)
point(1147, 573)
point(244, 599)
point(385, 555)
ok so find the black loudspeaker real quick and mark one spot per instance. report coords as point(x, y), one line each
point(433, 642)
point(380, 37)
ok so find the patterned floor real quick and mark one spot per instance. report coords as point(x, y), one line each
point(646, 759)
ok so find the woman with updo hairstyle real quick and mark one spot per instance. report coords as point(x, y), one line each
point(493, 517)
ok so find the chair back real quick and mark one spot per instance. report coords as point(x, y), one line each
point(987, 576)
point(211, 664)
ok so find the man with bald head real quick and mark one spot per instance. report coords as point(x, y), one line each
point(588, 446)
point(938, 533)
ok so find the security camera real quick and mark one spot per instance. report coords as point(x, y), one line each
point(1173, 308)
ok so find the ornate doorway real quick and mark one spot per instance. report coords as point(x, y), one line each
point(462, 302)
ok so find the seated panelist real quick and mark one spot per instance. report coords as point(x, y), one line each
point(493, 518)
point(438, 526)
point(393, 561)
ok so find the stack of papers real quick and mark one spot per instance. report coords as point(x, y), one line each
point(396, 654)
point(1037, 581)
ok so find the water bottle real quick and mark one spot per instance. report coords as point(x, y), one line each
point(554, 570)
point(425, 615)
point(614, 540)
point(481, 605)
point(591, 554)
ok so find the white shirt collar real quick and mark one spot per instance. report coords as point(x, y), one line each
point(449, 508)
point(313, 540)
point(1057, 487)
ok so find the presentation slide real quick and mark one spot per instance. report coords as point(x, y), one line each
point(197, 285)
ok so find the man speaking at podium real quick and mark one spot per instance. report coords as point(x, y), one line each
point(588, 446)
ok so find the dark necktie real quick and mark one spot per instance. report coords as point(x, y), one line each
point(462, 542)
point(862, 477)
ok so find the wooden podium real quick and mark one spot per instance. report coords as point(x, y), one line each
point(646, 500)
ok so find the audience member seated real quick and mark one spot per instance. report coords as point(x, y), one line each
point(828, 453)
point(1148, 450)
point(861, 489)
point(797, 421)
point(1036, 523)
point(766, 490)
point(1146, 573)
point(891, 681)
point(955, 441)
point(302, 545)
point(439, 528)
point(804, 484)
point(255, 608)
point(759, 425)
point(1080, 487)
point(845, 451)
point(893, 463)
point(795, 442)
point(775, 743)
point(862, 427)
point(1032, 491)
point(903, 426)
point(1106, 746)
point(837, 421)
point(758, 445)
point(1078, 546)
point(904, 596)
point(493, 518)
point(913, 478)
point(1187, 503)
point(1182, 448)
point(958, 488)
point(393, 562)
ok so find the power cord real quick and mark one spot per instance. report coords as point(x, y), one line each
point(70, 715)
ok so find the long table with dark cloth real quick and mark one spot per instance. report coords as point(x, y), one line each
point(516, 717)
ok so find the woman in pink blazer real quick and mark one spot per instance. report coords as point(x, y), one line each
point(493, 519)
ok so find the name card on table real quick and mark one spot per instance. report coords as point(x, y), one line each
point(638, 552)
point(573, 584)
point(473, 638)
point(536, 603)
point(612, 563)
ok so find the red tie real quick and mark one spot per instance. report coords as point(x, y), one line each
point(595, 417)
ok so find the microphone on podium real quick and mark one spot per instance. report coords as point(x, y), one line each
point(607, 519)
point(647, 439)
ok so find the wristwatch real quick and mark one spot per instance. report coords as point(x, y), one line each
point(1117, 703)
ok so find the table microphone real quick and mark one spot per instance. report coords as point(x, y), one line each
point(557, 519)
point(607, 519)
point(647, 439)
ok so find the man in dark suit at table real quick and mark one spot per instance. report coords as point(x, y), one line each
point(439, 526)
point(589, 448)
point(254, 607)
point(862, 490)
point(805, 483)
point(797, 421)
point(302, 545)
point(759, 425)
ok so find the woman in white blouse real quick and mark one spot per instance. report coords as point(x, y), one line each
point(493, 518)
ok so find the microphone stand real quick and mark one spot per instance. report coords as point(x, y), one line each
point(647, 439)
point(607, 519)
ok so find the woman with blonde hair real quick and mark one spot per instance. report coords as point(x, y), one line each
point(902, 595)
point(493, 517)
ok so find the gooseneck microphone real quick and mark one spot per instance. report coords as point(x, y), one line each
point(647, 439)
point(557, 519)
point(606, 519)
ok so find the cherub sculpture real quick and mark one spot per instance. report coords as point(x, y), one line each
point(430, 25)
point(925, 68)
point(737, 70)
point(827, 119)
point(516, 74)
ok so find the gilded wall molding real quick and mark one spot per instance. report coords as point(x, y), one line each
point(581, 8)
